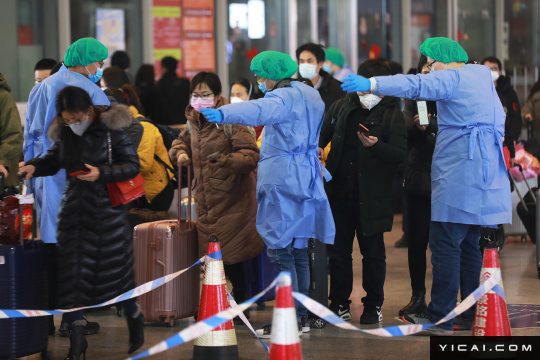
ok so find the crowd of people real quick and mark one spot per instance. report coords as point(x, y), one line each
point(87, 126)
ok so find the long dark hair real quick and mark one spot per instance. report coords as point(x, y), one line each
point(248, 85)
point(74, 99)
point(145, 76)
point(126, 95)
point(115, 76)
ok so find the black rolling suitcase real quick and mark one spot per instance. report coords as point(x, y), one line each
point(318, 271)
point(23, 285)
point(526, 208)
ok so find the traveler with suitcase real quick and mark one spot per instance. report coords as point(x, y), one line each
point(293, 206)
point(95, 248)
point(223, 159)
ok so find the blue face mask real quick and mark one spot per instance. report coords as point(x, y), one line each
point(97, 76)
point(327, 68)
point(262, 87)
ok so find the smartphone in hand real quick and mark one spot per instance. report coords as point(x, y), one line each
point(79, 172)
point(422, 113)
point(364, 130)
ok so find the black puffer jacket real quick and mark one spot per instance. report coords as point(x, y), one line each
point(330, 90)
point(510, 103)
point(375, 164)
point(95, 247)
point(422, 144)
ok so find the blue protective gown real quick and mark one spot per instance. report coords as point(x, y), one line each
point(469, 180)
point(39, 116)
point(290, 192)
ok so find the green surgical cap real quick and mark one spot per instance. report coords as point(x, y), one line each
point(273, 65)
point(335, 56)
point(85, 51)
point(444, 50)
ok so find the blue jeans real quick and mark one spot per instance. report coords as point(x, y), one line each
point(457, 261)
point(296, 261)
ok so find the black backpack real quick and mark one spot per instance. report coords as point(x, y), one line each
point(169, 134)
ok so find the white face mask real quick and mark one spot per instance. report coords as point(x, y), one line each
point(494, 75)
point(308, 71)
point(80, 127)
point(235, 100)
point(369, 100)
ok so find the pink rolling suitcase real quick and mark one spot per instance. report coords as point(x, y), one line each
point(162, 248)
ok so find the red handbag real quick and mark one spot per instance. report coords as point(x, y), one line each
point(124, 192)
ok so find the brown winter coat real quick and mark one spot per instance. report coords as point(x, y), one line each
point(224, 196)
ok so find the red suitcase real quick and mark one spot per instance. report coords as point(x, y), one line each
point(162, 248)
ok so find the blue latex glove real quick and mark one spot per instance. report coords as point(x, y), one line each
point(213, 115)
point(354, 83)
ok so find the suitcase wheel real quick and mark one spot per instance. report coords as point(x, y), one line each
point(318, 323)
point(170, 322)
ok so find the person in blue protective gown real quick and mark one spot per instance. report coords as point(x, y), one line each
point(470, 186)
point(293, 206)
point(82, 67)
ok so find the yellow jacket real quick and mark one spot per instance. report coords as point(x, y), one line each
point(152, 171)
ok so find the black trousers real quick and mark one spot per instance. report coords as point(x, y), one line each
point(347, 219)
point(419, 218)
point(237, 276)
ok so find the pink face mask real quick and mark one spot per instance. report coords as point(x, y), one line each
point(199, 103)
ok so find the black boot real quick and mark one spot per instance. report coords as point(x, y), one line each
point(77, 341)
point(136, 333)
point(403, 242)
point(417, 305)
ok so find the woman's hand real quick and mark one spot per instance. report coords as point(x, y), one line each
point(3, 170)
point(218, 161)
point(28, 170)
point(92, 176)
point(528, 117)
point(417, 122)
point(367, 141)
point(183, 160)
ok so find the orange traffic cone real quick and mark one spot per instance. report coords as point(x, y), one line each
point(284, 341)
point(491, 317)
point(220, 343)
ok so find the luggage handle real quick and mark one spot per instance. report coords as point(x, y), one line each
point(21, 210)
point(189, 168)
point(527, 183)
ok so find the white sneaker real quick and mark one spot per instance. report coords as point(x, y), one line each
point(266, 331)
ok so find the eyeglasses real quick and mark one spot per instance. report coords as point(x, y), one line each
point(67, 122)
point(101, 63)
point(205, 96)
point(429, 66)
